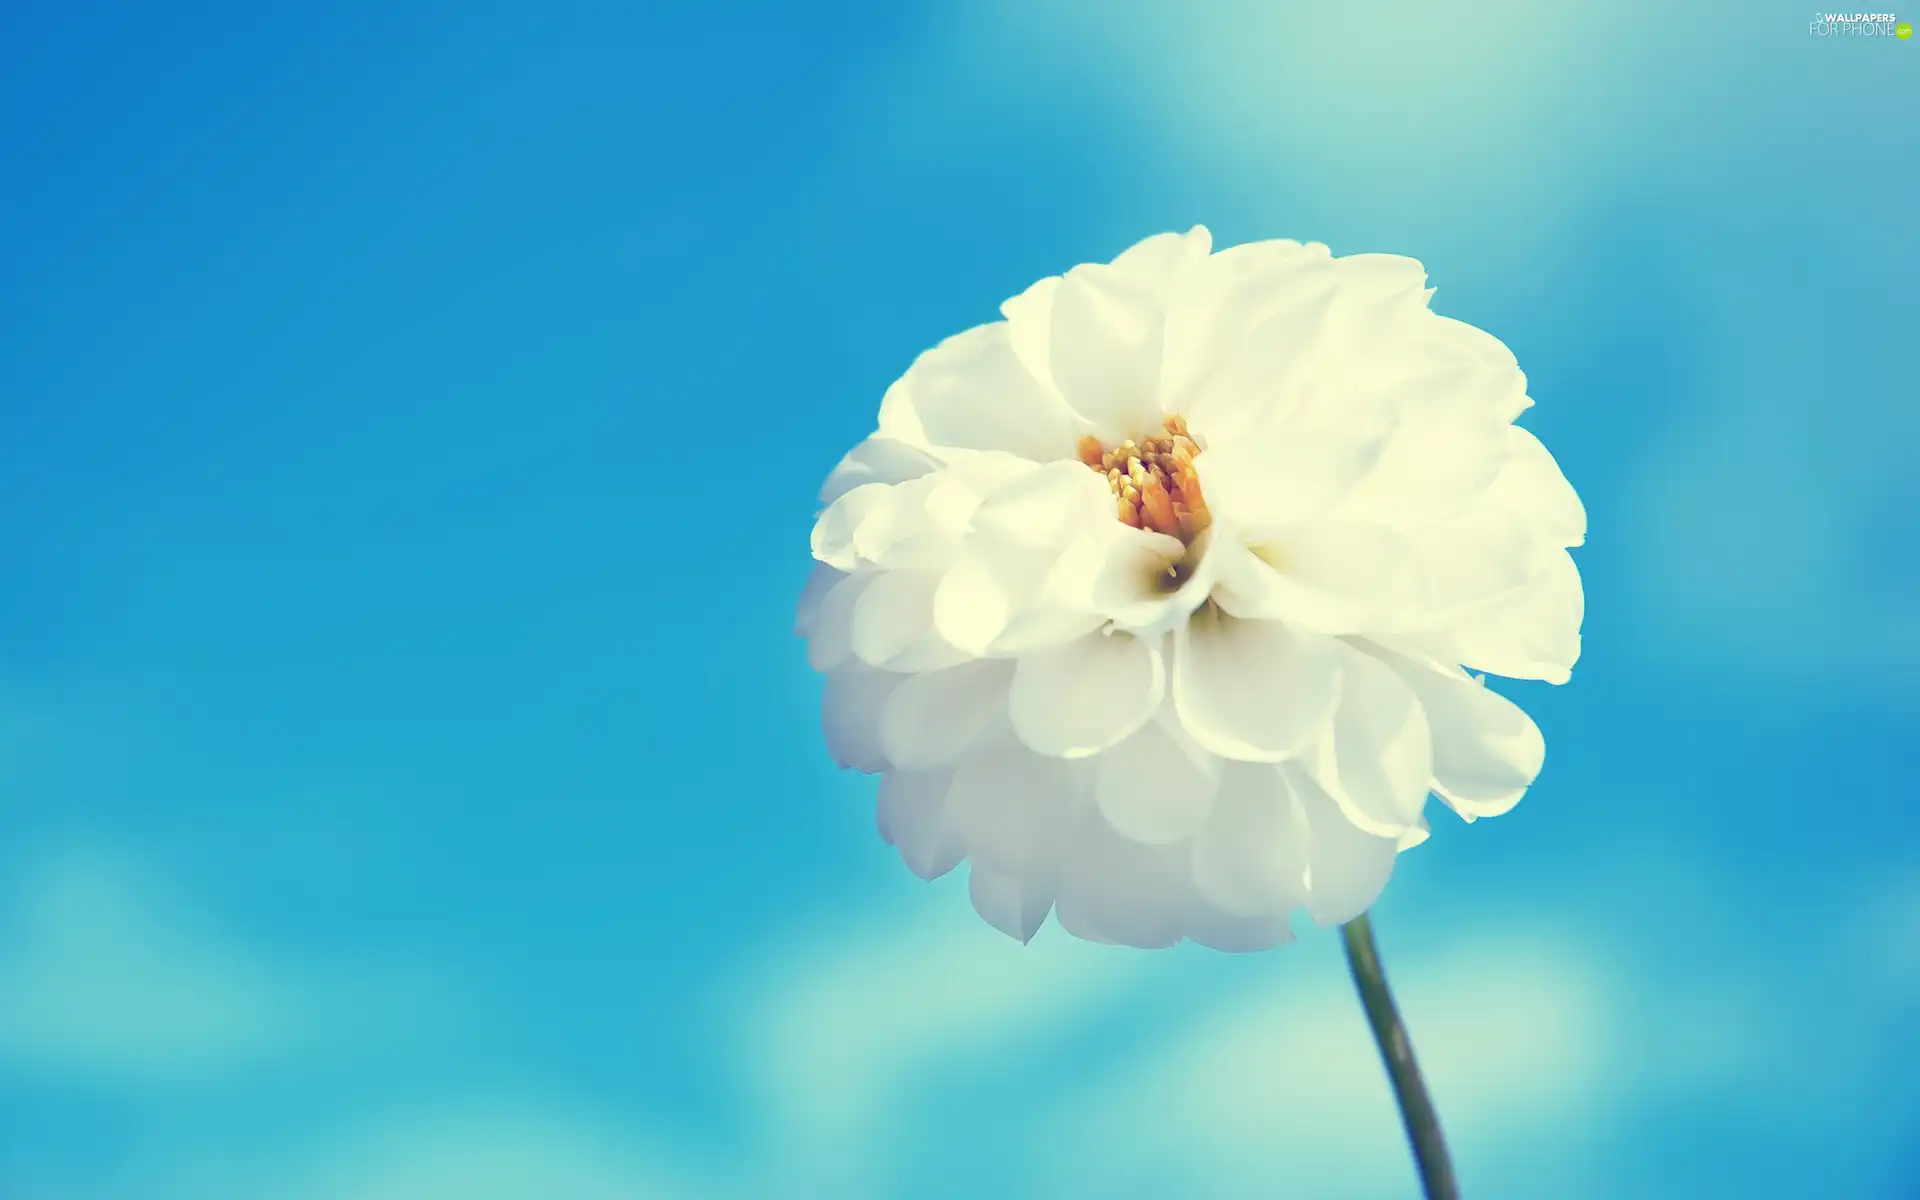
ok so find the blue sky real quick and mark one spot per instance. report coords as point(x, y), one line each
point(410, 417)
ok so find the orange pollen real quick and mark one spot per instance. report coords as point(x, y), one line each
point(1153, 480)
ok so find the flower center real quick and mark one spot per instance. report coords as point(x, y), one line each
point(1153, 481)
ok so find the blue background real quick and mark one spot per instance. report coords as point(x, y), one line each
point(410, 417)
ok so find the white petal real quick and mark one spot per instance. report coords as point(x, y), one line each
point(977, 598)
point(1329, 577)
point(1087, 695)
point(1434, 356)
point(893, 623)
point(1045, 507)
point(898, 420)
point(984, 472)
point(832, 638)
point(1159, 255)
point(1232, 934)
point(907, 529)
point(1347, 868)
point(1445, 453)
point(1251, 858)
point(1107, 322)
point(1486, 751)
point(1014, 808)
point(930, 653)
point(1371, 278)
point(1074, 579)
point(1246, 330)
point(820, 581)
point(972, 392)
point(1044, 626)
point(933, 718)
point(1532, 485)
point(1377, 292)
point(914, 816)
point(1503, 387)
point(1015, 905)
point(1155, 787)
point(1117, 890)
point(1476, 559)
point(1257, 691)
point(1132, 570)
point(1293, 474)
point(1030, 327)
point(877, 460)
point(834, 532)
point(1368, 570)
point(894, 612)
point(921, 524)
point(1415, 836)
point(1533, 633)
point(1004, 600)
point(1378, 765)
point(1473, 344)
point(850, 709)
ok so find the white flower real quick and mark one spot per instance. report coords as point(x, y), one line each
point(1154, 600)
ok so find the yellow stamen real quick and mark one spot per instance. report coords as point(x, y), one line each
point(1154, 482)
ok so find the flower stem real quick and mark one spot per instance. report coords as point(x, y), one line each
point(1396, 1050)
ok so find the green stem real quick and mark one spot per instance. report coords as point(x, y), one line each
point(1396, 1050)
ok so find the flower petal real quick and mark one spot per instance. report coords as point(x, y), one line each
point(1531, 484)
point(1377, 292)
point(922, 523)
point(1445, 452)
point(833, 533)
point(1533, 633)
point(1049, 617)
point(877, 460)
point(1090, 694)
point(1257, 691)
point(1330, 577)
point(933, 718)
point(972, 392)
point(1015, 905)
point(1474, 560)
point(1002, 604)
point(1503, 386)
point(1130, 573)
point(1486, 750)
point(1117, 890)
point(1429, 356)
point(911, 527)
point(898, 420)
point(1245, 330)
point(1415, 836)
point(1251, 858)
point(1013, 807)
point(850, 708)
point(1105, 336)
point(976, 599)
point(1347, 868)
point(893, 623)
point(1045, 507)
point(1296, 471)
point(1030, 327)
point(832, 638)
point(1230, 934)
point(914, 816)
point(1156, 787)
point(806, 616)
point(1378, 765)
